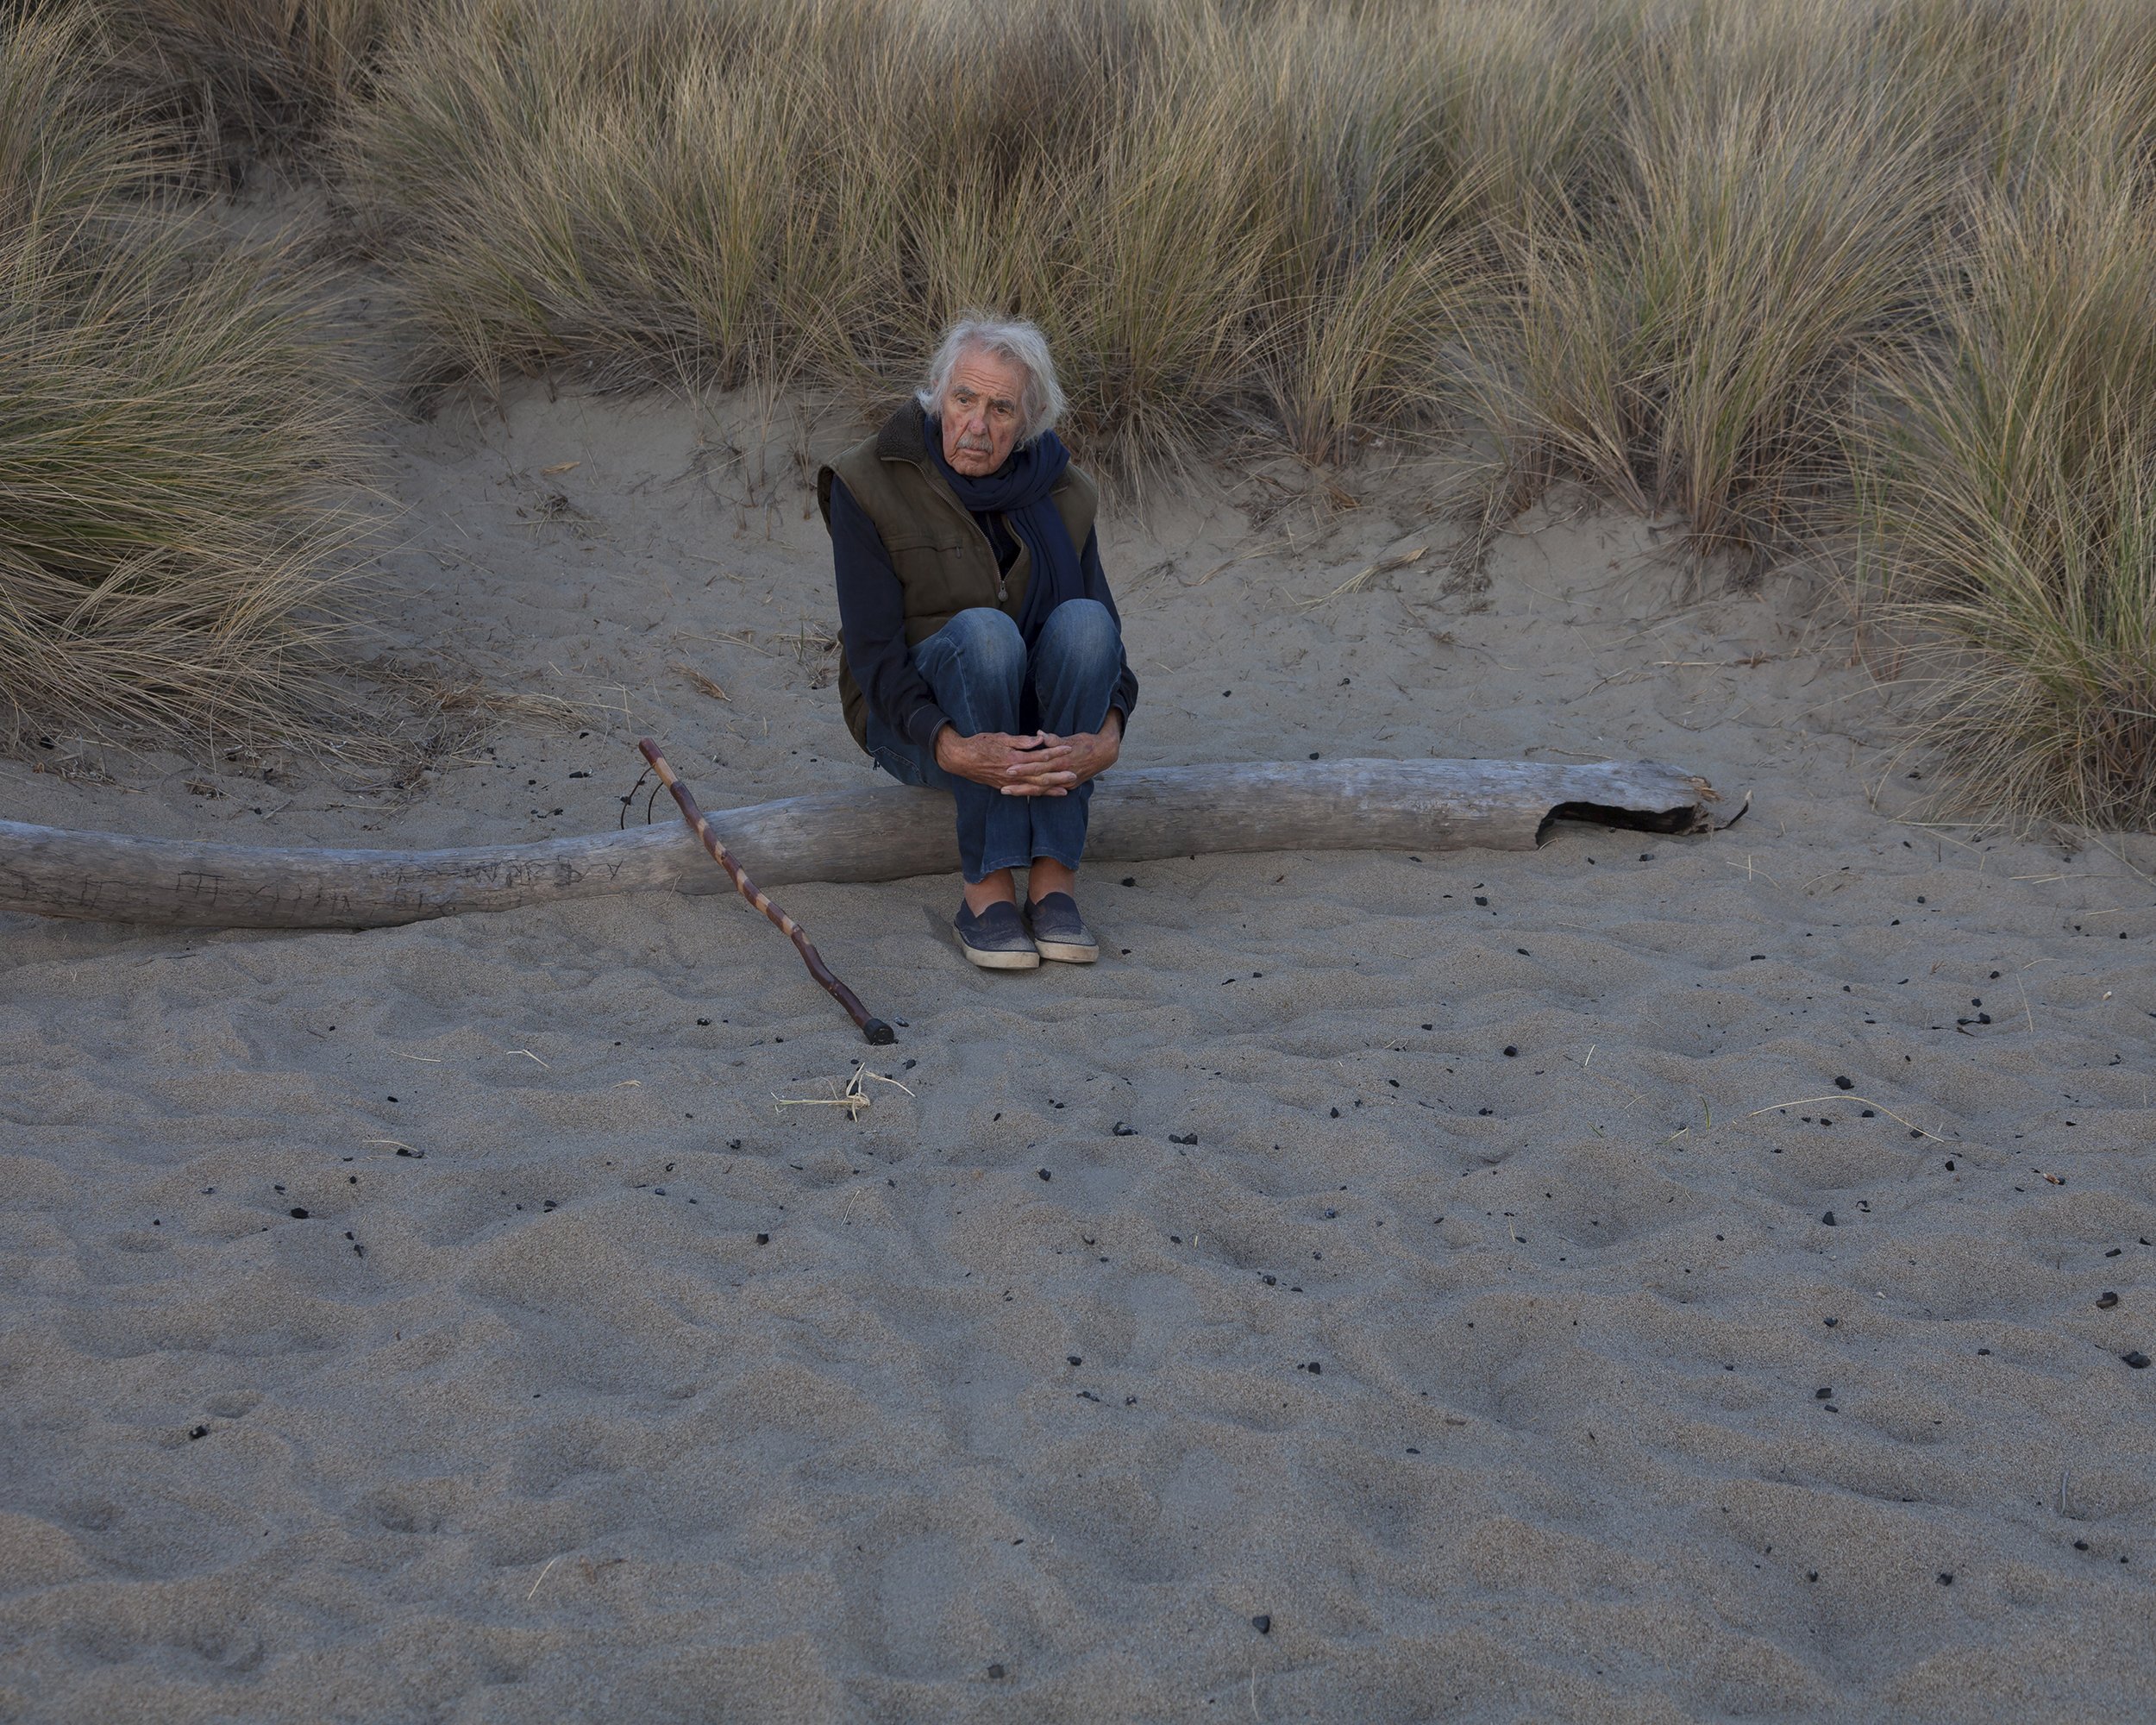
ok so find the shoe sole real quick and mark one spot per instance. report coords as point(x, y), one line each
point(1066, 954)
point(1000, 961)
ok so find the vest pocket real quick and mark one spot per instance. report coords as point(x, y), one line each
point(942, 575)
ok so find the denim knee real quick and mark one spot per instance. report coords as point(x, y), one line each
point(1084, 628)
point(987, 641)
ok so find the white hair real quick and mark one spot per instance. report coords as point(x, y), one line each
point(1040, 405)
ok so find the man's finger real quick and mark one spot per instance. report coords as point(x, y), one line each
point(1034, 765)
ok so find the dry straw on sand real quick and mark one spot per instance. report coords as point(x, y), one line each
point(1847, 279)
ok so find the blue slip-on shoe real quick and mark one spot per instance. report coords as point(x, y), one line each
point(996, 939)
point(1060, 932)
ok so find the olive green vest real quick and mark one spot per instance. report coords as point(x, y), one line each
point(943, 560)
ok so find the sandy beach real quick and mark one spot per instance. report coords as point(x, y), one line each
point(1649, 1279)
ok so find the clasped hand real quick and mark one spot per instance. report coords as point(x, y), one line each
point(1040, 765)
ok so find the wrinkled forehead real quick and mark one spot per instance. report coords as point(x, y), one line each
point(981, 372)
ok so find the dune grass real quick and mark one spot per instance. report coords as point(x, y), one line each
point(176, 440)
point(2006, 479)
point(1215, 215)
point(228, 83)
point(1770, 202)
point(1848, 279)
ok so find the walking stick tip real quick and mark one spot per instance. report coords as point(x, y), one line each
point(880, 1034)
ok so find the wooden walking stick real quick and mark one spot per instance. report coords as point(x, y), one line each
point(879, 1033)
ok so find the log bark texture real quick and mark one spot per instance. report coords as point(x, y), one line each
point(879, 833)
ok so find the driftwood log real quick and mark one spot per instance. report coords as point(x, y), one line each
point(881, 833)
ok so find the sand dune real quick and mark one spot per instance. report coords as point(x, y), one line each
point(1649, 1279)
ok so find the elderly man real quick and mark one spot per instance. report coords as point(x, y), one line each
point(982, 651)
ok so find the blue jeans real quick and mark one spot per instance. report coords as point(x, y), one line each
point(978, 667)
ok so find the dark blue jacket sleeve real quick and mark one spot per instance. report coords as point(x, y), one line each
point(871, 619)
point(1125, 695)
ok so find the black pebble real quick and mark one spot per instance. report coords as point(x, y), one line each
point(1946, 1576)
point(195, 1432)
point(1271, 1280)
point(1188, 1137)
point(1074, 1359)
point(2106, 1301)
point(1480, 899)
point(1045, 1174)
point(1121, 1131)
point(1844, 1083)
point(996, 1671)
point(1130, 879)
point(2137, 1360)
point(1262, 1623)
point(1829, 1220)
point(704, 1021)
point(1823, 1393)
point(1336, 1114)
point(763, 1239)
point(1831, 1322)
point(1511, 1052)
point(299, 1212)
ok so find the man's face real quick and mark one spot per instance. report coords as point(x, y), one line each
point(980, 412)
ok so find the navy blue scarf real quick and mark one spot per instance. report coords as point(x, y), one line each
point(1018, 491)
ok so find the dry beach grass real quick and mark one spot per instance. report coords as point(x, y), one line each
point(1756, 267)
point(179, 451)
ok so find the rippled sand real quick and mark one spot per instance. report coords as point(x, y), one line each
point(1384, 1287)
